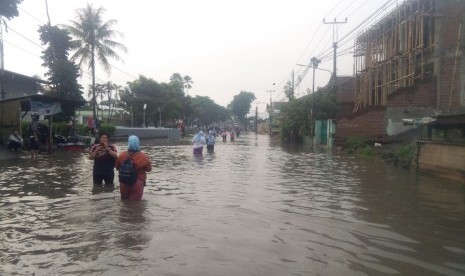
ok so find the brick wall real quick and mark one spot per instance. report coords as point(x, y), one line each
point(452, 14)
point(423, 94)
point(370, 124)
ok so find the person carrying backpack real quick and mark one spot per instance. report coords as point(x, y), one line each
point(211, 141)
point(132, 190)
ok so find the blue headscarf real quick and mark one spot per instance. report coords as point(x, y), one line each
point(197, 137)
point(133, 143)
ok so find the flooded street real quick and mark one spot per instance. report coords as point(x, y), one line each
point(251, 208)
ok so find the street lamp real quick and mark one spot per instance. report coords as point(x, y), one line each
point(143, 117)
point(159, 111)
point(132, 117)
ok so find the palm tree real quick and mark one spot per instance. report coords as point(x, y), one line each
point(187, 83)
point(92, 40)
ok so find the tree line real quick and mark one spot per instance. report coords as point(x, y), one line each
point(89, 42)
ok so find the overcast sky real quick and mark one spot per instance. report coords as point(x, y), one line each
point(226, 46)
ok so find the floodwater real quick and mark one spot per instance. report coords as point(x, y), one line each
point(251, 208)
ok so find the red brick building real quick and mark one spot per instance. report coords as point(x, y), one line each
point(409, 65)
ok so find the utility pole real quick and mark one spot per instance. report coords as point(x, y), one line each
point(315, 61)
point(292, 92)
point(256, 119)
point(270, 111)
point(2, 69)
point(334, 23)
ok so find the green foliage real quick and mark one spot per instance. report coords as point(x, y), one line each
point(366, 150)
point(404, 155)
point(93, 42)
point(358, 145)
point(295, 119)
point(62, 128)
point(295, 116)
point(62, 73)
point(352, 144)
point(207, 111)
point(9, 8)
point(289, 90)
point(240, 105)
point(177, 82)
point(156, 95)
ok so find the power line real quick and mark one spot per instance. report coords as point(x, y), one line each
point(38, 20)
point(22, 49)
point(23, 36)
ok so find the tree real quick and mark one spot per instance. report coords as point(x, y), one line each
point(289, 90)
point(9, 8)
point(93, 40)
point(106, 89)
point(207, 111)
point(62, 73)
point(240, 105)
point(177, 82)
point(155, 95)
point(187, 83)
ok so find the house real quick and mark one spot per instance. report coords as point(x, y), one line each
point(16, 85)
point(20, 96)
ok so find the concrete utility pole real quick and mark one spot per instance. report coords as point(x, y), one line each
point(315, 61)
point(334, 23)
point(270, 111)
point(292, 92)
point(2, 61)
point(256, 119)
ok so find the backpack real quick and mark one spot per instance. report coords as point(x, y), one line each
point(127, 172)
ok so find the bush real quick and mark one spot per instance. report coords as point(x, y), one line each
point(404, 155)
point(352, 144)
point(62, 128)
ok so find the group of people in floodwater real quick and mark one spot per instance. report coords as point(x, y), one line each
point(102, 152)
point(36, 134)
point(106, 158)
point(200, 140)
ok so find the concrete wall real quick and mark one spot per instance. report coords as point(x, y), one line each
point(443, 160)
point(150, 133)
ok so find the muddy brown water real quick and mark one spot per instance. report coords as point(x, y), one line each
point(253, 207)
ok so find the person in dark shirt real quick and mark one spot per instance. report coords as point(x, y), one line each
point(33, 130)
point(104, 155)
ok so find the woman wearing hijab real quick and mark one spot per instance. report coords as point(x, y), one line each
point(199, 142)
point(142, 164)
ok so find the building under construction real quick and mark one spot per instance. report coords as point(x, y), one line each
point(409, 67)
point(417, 50)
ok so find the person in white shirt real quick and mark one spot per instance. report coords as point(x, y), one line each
point(15, 141)
point(199, 142)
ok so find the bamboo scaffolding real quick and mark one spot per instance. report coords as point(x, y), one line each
point(394, 53)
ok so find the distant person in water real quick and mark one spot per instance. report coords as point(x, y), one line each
point(33, 130)
point(232, 135)
point(104, 155)
point(211, 141)
point(142, 164)
point(199, 142)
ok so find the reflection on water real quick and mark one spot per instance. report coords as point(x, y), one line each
point(251, 208)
